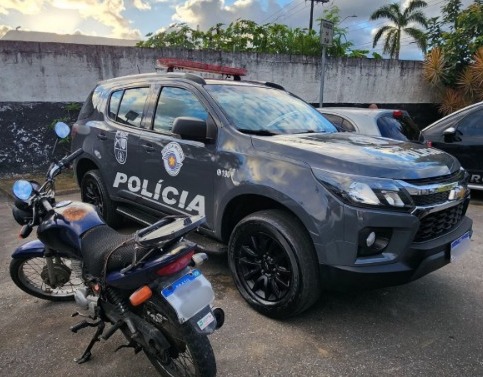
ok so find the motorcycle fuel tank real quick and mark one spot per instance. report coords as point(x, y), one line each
point(63, 230)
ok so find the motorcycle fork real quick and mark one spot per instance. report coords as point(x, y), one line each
point(49, 260)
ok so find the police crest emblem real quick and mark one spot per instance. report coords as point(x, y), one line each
point(120, 147)
point(173, 157)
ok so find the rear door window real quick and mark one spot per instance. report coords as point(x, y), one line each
point(127, 106)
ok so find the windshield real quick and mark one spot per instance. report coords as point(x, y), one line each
point(267, 111)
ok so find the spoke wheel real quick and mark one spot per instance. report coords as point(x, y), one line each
point(190, 354)
point(30, 274)
point(273, 263)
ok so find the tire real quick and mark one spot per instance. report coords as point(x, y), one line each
point(273, 263)
point(190, 354)
point(94, 191)
point(30, 274)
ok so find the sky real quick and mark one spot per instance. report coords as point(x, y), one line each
point(133, 19)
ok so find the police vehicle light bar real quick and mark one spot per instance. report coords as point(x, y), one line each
point(172, 63)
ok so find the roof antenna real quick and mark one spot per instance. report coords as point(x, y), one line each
point(139, 71)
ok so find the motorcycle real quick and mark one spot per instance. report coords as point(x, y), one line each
point(145, 284)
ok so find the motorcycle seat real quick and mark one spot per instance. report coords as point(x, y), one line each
point(98, 243)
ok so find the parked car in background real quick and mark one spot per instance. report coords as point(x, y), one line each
point(461, 134)
point(394, 124)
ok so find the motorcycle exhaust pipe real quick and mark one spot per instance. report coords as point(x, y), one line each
point(219, 316)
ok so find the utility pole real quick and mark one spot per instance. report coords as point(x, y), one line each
point(311, 21)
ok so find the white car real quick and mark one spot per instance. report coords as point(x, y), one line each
point(393, 124)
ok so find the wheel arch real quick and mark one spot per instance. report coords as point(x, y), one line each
point(244, 204)
point(82, 167)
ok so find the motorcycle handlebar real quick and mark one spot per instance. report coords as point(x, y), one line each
point(46, 204)
point(57, 168)
point(68, 159)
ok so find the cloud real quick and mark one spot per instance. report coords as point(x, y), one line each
point(139, 4)
point(106, 12)
point(22, 6)
point(206, 13)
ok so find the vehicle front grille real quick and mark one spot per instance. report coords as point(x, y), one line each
point(430, 199)
point(439, 223)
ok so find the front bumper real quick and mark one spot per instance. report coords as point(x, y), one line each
point(419, 259)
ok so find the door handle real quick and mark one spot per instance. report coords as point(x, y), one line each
point(101, 136)
point(148, 147)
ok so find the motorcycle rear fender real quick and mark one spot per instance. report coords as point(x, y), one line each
point(204, 322)
point(32, 249)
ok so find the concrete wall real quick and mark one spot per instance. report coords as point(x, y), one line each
point(53, 72)
point(39, 80)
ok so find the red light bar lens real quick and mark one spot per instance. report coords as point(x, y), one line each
point(397, 114)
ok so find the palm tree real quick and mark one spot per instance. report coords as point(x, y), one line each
point(401, 20)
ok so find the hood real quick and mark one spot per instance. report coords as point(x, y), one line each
point(352, 153)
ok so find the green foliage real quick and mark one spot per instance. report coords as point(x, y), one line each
point(248, 36)
point(454, 65)
point(401, 21)
point(239, 36)
point(462, 38)
point(72, 110)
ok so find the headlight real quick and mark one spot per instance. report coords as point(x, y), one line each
point(365, 191)
point(22, 189)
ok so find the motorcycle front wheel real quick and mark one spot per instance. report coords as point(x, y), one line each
point(30, 275)
point(190, 354)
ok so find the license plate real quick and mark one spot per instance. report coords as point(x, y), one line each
point(460, 245)
point(189, 294)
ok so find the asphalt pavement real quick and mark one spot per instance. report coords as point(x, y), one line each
point(430, 327)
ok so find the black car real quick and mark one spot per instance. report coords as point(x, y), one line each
point(301, 206)
point(461, 134)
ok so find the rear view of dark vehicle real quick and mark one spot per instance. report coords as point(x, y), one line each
point(461, 134)
point(398, 126)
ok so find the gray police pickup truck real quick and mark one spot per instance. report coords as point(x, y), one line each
point(301, 207)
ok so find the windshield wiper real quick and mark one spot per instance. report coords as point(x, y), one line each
point(257, 132)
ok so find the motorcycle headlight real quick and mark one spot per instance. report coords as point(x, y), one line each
point(365, 191)
point(22, 189)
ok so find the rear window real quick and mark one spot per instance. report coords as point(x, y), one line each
point(402, 128)
point(91, 109)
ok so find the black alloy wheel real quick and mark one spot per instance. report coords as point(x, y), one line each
point(264, 266)
point(91, 194)
point(94, 191)
point(273, 263)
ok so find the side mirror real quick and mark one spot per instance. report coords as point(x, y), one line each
point(190, 128)
point(62, 130)
point(449, 131)
point(449, 135)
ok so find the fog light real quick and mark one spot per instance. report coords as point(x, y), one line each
point(373, 241)
point(371, 238)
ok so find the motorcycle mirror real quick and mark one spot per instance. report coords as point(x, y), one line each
point(22, 189)
point(62, 130)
